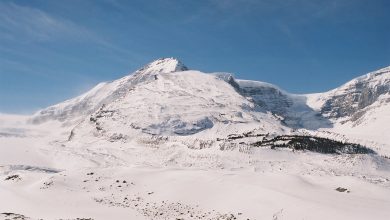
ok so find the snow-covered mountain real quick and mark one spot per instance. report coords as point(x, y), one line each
point(179, 103)
point(167, 142)
point(348, 102)
point(166, 98)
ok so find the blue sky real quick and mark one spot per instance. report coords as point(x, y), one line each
point(54, 50)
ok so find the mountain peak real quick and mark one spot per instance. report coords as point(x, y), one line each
point(163, 65)
point(373, 79)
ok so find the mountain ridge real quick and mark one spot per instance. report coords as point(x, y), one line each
point(168, 65)
point(166, 77)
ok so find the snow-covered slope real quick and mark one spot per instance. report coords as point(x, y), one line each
point(179, 103)
point(105, 92)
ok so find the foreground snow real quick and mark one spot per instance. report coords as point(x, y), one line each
point(40, 178)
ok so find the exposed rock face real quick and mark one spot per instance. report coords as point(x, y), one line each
point(292, 109)
point(267, 96)
point(356, 96)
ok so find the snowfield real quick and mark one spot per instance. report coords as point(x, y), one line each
point(167, 142)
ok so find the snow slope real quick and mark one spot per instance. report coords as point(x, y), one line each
point(105, 92)
point(180, 103)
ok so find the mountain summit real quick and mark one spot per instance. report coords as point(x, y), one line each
point(163, 65)
point(107, 92)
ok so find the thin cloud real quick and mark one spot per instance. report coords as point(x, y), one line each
point(32, 24)
point(24, 24)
